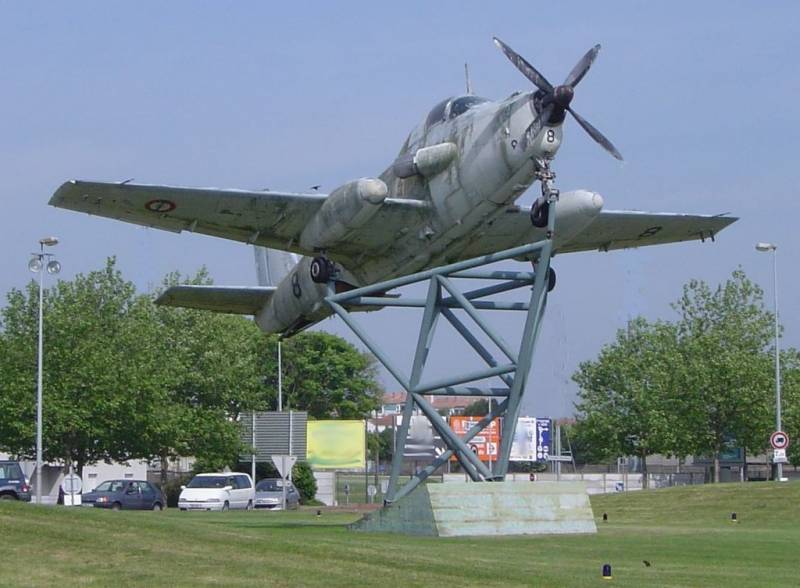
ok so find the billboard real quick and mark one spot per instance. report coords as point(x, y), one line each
point(423, 442)
point(531, 440)
point(486, 443)
point(336, 444)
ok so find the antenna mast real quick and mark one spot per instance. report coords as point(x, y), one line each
point(466, 77)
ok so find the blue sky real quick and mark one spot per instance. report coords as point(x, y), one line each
point(701, 98)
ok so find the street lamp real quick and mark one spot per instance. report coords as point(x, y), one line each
point(38, 266)
point(767, 247)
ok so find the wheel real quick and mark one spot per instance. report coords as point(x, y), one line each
point(321, 270)
point(116, 506)
point(551, 279)
point(250, 505)
point(540, 213)
point(225, 506)
point(157, 506)
point(7, 497)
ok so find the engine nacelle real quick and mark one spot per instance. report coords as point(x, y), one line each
point(426, 162)
point(345, 209)
point(296, 298)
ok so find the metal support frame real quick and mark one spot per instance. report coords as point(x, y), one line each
point(442, 299)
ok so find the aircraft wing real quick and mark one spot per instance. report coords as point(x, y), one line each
point(265, 218)
point(621, 229)
point(610, 229)
point(273, 219)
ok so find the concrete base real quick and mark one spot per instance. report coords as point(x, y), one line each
point(486, 508)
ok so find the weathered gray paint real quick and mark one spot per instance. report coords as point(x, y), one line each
point(448, 196)
point(500, 508)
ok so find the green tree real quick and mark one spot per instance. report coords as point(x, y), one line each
point(624, 403)
point(328, 377)
point(790, 401)
point(477, 408)
point(215, 375)
point(100, 367)
point(725, 337)
point(304, 481)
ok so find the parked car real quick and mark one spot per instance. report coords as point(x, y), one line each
point(269, 494)
point(13, 483)
point(218, 492)
point(127, 495)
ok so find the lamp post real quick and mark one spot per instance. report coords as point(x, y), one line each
point(38, 266)
point(767, 247)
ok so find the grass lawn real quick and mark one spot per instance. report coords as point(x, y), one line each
point(685, 533)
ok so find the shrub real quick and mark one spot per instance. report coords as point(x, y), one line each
point(304, 481)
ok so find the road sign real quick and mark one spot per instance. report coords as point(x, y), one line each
point(284, 464)
point(779, 456)
point(72, 484)
point(779, 440)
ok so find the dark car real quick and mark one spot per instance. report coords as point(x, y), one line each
point(126, 494)
point(13, 484)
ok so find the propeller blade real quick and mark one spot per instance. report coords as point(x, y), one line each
point(526, 68)
point(596, 135)
point(534, 128)
point(580, 69)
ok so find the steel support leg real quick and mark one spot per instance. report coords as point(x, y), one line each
point(514, 374)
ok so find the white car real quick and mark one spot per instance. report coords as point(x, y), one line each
point(218, 492)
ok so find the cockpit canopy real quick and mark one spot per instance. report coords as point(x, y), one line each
point(451, 108)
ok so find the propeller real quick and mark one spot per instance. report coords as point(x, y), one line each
point(555, 100)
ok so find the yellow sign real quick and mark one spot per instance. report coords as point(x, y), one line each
point(335, 444)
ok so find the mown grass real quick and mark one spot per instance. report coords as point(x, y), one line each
point(684, 533)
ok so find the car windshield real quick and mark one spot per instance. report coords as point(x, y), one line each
point(10, 471)
point(269, 485)
point(208, 482)
point(111, 486)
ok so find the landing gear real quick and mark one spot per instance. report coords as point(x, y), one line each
point(321, 269)
point(551, 277)
point(540, 211)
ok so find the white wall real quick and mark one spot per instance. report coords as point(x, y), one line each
point(94, 474)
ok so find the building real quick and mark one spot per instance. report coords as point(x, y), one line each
point(393, 403)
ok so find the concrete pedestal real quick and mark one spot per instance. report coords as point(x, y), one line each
point(486, 508)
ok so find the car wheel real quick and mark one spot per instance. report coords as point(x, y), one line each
point(157, 506)
point(116, 506)
point(225, 506)
point(7, 497)
point(250, 505)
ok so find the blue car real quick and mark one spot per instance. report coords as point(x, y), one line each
point(13, 484)
point(127, 495)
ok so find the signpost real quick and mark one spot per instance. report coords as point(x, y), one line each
point(284, 465)
point(72, 486)
point(779, 441)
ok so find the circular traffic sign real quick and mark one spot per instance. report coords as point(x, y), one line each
point(779, 440)
point(72, 484)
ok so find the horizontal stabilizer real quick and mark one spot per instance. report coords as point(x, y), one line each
point(229, 299)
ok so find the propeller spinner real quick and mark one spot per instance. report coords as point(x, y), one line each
point(555, 100)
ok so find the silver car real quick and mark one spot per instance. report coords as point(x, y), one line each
point(269, 494)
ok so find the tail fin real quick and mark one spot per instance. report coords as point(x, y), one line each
point(273, 265)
